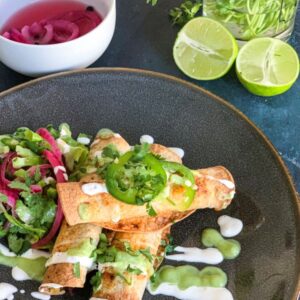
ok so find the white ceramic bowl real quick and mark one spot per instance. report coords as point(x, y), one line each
point(37, 60)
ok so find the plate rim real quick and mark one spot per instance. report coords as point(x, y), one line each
point(193, 86)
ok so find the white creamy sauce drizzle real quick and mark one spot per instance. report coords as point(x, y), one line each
point(146, 139)
point(59, 168)
point(229, 184)
point(210, 256)
point(7, 291)
point(229, 226)
point(22, 291)
point(188, 183)
point(33, 254)
point(192, 293)
point(5, 251)
point(83, 140)
point(94, 188)
point(40, 296)
point(63, 257)
point(178, 151)
point(19, 275)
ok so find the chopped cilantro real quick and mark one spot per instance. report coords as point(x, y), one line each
point(76, 270)
point(150, 210)
point(152, 2)
point(96, 281)
point(136, 271)
point(170, 245)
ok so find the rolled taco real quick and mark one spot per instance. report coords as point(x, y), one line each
point(130, 285)
point(215, 189)
point(70, 260)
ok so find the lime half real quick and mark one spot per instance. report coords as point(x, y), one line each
point(204, 49)
point(267, 66)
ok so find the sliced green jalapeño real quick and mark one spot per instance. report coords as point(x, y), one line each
point(136, 180)
point(182, 182)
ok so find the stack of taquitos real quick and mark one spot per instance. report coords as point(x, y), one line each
point(215, 189)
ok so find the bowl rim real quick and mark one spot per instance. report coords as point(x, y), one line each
point(111, 10)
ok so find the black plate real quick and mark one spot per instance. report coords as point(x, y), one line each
point(211, 132)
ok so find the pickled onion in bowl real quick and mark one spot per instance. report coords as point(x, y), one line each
point(62, 28)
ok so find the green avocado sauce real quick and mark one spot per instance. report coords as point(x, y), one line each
point(34, 268)
point(83, 211)
point(188, 276)
point(85, 248)
point(124, 260)
point(228, 247)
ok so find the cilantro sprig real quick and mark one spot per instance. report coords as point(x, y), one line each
point(185, 12)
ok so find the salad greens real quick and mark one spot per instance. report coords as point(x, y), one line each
point(30, 213)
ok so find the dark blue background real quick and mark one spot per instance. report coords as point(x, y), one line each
point(144, 38)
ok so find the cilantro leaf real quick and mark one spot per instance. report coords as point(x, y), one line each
point(152, 2)
point(37, 174)
point(136, 271)
point(147, 254)
point(150, 210)
point(14, 243)
point(42, 209)
point(170, 246)
point(185, 12)
point(96, 281)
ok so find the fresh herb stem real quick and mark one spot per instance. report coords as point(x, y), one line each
point(249, 19)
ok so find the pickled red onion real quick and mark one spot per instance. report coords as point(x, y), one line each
point(62, 28)
point(64, 31)
point(38, 34)
point(47, 136)
point(4, 165)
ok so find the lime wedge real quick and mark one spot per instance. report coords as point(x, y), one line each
point(267, 66)
point(204, 49)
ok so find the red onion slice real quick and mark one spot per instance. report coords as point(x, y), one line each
point(43, 169)
point(35, 188)
point(38, 34)
point(3, 167)
point(64, 31)
point(15, 35)
point(46, 135)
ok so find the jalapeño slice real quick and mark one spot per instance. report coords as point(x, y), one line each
point(182, 183)
point(136, 180)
